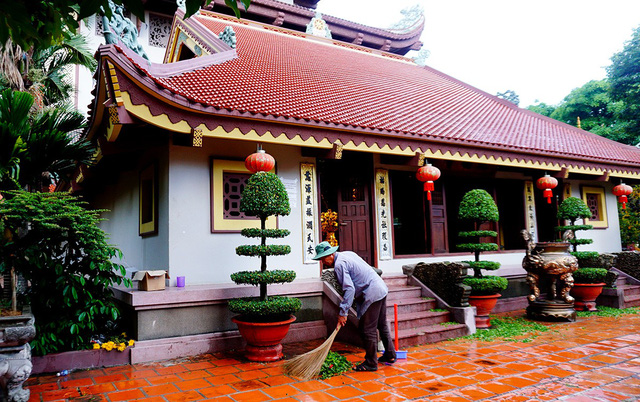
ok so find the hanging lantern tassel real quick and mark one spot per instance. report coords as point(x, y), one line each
point(622, 191)
point(428, 174)
point(547, 183)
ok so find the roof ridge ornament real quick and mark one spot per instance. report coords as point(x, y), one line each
point(318, 27)
point(228, 36)
point(121, 29)
point(412, 16)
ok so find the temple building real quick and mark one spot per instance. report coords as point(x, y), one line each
point(350, 120)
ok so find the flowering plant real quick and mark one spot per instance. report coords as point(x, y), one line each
point(329, 221)
point(119, 343)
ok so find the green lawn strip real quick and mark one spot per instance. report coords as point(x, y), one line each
point(604, 311)
point(514, 329)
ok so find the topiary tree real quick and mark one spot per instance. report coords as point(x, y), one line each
point(264, 196)
point(477, 207)
point(53, 242)
point(572, 209)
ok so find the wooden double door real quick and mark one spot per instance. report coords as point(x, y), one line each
point(345, 187)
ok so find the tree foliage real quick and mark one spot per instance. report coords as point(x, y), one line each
point(624, 77)
point(43, 23)
point(53, 242)
point(630, 219)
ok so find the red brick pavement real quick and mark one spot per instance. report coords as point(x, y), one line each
point(593, 359)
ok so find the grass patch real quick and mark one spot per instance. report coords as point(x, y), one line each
point(334, 364)
point(439, 310)
point(604, 311)
point(448, 323)
point(514, 329)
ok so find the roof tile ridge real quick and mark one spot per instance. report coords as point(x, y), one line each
point(330, 18)
point(305, 36)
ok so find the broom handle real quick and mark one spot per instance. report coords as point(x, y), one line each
point(395, 316)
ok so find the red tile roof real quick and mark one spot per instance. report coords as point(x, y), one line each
point(287, 76)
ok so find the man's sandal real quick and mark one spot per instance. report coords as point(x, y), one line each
point(362, 367)
point(386, 359)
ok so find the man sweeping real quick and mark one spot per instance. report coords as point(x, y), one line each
point(361, 283)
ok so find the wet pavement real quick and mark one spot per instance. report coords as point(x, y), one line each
point(592, 359)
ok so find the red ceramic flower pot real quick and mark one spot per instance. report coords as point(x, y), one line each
point(483, 305)
point(263, 338)
point(586, 295)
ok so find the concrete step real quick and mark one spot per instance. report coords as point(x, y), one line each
point(630, 289)
point(631, 300)
point(410, 305)
point(419, 319)
point(395, 280)
point(429, 334)
point(403, 292)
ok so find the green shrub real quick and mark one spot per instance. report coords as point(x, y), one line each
point(273, 308)
point(478, 207)
point(257, 277)
point(258, 250)
point(590, 275)
point(57, 246)
point(486, 285)
point(264, 195)
point(486, 265)
point(572, 209)
point(270, 233)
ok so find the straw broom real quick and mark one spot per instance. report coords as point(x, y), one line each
point(308, 365)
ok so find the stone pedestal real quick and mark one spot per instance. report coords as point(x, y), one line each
point(15, 354)
point(551, 310)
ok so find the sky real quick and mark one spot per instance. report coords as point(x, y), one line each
point(540, 49)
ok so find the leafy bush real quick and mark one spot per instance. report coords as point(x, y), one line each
point(273, 308)
point(630, 219)
point(486, 265)
point(572, 209)
point(270, 233)
point(486, 285)
point(257, 277)
point(56, 244)
point(477, 207)
point(334, 364)
point(264, 195)
point(259, 250)
point(479, 233)
point(590, 275)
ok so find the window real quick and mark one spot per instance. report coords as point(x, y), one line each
point(595, 200)
point(228, 179)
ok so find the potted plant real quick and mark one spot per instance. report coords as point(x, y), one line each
point(478, 207)
point(588, 284)
point(264, 321)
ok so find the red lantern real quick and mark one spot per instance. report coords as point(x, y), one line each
point(622, 191)
point(260, 161)
point(547, 183)
point(428, 174)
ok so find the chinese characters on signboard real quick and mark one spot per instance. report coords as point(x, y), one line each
point(383, 217)
point(309, 210)
point(530, 205)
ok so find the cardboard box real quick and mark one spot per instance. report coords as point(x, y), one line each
point(150, 280)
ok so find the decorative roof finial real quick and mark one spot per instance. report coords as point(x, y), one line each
point(579, 125)
point(318, 27)
point(121, 29)
point(228, 36)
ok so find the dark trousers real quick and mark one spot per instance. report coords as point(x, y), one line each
point(372, 321)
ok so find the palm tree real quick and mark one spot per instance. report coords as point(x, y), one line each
point(36, 150)
point(42, 71)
